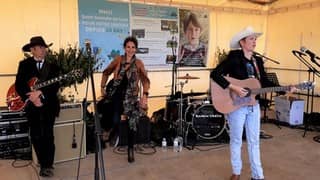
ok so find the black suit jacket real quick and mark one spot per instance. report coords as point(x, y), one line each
point(27, 70)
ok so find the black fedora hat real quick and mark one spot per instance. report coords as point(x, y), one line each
point(34, 41)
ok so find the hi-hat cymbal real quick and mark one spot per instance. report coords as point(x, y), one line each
point(187, 76)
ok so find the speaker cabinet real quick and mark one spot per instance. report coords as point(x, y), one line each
point(67, 138)
point(69, 112)
point(67, 146)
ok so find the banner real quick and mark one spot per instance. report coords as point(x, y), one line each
point(105, 25)
point(156, 29)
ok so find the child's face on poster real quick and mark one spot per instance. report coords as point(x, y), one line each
point(193, 34)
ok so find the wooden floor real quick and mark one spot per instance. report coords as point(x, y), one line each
point(285, 156)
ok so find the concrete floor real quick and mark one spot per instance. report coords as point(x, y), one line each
point(286, 156)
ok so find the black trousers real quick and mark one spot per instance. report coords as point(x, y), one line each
point(42, 137)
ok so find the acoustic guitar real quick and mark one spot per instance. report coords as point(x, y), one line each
point(15, 102)
point(226, 101)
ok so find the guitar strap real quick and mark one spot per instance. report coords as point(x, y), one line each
point(256, 67)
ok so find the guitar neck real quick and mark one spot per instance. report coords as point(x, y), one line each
point(271, 89)
point(49, 82)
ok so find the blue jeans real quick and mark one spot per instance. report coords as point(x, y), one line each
point(248, 116)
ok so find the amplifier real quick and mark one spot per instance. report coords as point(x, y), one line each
point(13, 125)
point(8, 116)
point(15, 148)
point(67, 139)
point(12, 129)
point(70, 112)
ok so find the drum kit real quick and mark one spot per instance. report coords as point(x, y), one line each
point(186, 113)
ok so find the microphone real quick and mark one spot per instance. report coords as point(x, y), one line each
point(260, 55)
point(256, 53)
point(74, 141)
point(88, 47)
point(298, 52)
point(312, 55)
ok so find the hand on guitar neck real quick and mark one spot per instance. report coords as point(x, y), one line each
point(35, 98)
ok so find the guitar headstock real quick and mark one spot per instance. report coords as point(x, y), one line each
point(306, 85)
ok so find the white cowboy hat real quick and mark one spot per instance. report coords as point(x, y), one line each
point(248, 31)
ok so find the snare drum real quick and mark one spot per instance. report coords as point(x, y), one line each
point(205, 120)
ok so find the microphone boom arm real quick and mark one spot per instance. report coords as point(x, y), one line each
point(272, 60)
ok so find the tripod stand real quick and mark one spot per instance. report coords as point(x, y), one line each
point(314, 71)
point(99, 164)
point(180, 131)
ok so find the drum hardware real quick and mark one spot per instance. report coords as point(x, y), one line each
point(180, 115)
point(187, 76)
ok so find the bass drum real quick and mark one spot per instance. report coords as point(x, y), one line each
point(205, 120)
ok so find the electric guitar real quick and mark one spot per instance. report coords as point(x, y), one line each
point(15, 102)
point(226, 101)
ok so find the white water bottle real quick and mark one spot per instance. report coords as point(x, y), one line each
point(180, 143)
point(175, 145)
point(164, 145)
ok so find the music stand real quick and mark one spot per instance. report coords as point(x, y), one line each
point(312, 71)
point(272, 76)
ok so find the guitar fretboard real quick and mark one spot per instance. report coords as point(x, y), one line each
point(270, 89)
point(49, 82)
point(281, 88)
point(74, 73)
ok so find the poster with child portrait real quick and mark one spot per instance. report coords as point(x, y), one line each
point(194, 33)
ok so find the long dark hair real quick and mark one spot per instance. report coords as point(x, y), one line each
point(130, 39)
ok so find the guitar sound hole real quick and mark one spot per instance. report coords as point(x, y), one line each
point(249, 92)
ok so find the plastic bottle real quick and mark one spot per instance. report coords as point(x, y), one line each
point(164, 145)
point(180, 143)
point(175, 145)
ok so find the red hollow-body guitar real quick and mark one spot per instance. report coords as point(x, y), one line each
point(225, 101)
point(15, 102)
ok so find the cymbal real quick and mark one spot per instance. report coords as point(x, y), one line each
point(187, 76)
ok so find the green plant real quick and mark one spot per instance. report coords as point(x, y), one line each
point(73, 58)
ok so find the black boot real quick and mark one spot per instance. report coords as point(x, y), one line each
point(131, 136)
point(130, 154)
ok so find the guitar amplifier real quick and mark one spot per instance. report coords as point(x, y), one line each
point(15, 148)
point(8, 116)
point(14, 136)
point(67, 140)
point(70, 112)
point(13, 125)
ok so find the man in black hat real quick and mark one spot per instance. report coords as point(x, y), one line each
point(42, 105)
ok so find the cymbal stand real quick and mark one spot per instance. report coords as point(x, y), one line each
point(180, 120)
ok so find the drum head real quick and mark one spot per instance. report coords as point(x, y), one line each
point(207, 122)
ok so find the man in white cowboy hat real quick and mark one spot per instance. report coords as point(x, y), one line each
point(241, 64)
point(42, 105)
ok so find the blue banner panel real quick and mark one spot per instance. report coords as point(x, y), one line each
point(105, 25)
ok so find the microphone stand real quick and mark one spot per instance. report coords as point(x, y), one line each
point(98, 152)
point(260, 55)
point(173, 44)
point(314, 71)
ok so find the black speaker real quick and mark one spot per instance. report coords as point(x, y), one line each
point(142, 135)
